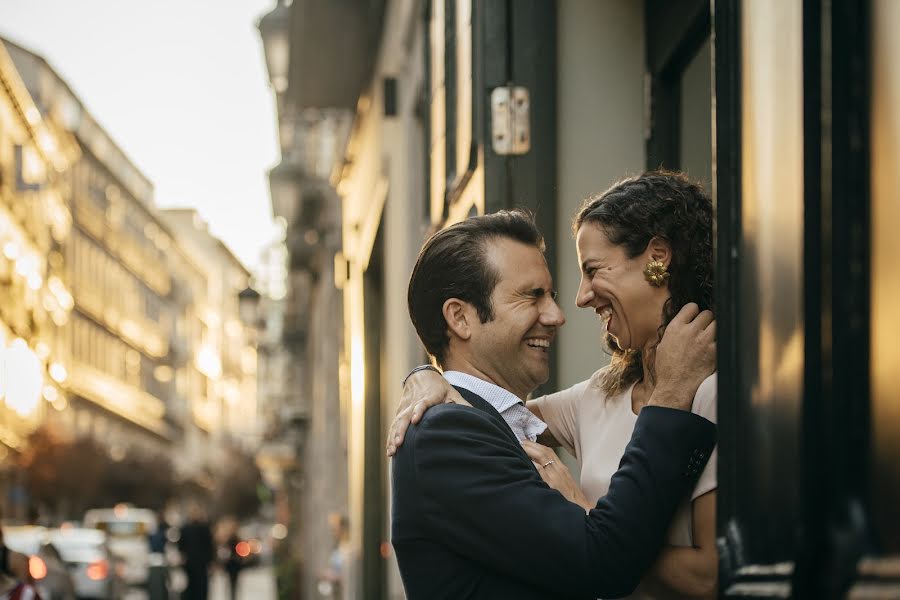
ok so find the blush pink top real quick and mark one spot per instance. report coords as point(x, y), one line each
point(595, 429)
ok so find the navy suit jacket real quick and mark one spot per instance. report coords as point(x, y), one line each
point(472, 518)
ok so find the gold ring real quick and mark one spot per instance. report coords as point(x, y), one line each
point(548, 463)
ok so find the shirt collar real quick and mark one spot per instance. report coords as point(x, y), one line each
point(498, 397)
point(521, 422)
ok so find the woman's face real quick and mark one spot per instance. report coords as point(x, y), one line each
point(614, 286)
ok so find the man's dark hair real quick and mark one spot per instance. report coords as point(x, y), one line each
point(453, 263)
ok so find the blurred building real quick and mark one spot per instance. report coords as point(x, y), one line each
point(116, 341)
point(224, 365)
point(280, 421)
point(35, 292)
point(120, 322)
point(312, 138)
point(787, 111)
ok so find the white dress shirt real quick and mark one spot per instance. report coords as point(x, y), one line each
point(524, 425)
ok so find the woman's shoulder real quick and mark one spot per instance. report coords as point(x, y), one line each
point(575, 392)
point(705, 398)
point(593, 388)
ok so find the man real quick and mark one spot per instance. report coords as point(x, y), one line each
point(471, 516)
point(197, 551)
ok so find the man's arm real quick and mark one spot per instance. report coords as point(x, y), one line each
point(483, 499)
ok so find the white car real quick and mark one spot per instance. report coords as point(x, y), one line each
point(45, 565)
point(89, 560)
point(126, 530)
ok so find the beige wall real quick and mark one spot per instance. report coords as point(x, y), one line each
point(600, 119)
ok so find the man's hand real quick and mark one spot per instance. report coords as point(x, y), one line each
point(685, 356)
point(555, 474)
point(423, 390)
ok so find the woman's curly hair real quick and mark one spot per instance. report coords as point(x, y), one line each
point(633, 211)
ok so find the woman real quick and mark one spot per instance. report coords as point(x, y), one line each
point(644, 251)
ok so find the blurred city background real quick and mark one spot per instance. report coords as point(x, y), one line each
point(209, 212)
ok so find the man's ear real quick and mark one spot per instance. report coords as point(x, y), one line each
point(659, 249)
point(458, 315)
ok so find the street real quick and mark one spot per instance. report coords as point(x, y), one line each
point(254, 584)
point(257, 583)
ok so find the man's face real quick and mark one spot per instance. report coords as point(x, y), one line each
point(513, 349)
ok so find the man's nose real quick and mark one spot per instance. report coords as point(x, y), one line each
point(552, 315)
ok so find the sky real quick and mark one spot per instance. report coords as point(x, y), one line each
point(181, 86)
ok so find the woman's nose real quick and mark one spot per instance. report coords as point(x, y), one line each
point(585, 295)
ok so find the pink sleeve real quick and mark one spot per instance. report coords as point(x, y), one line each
point(705, 406)
point(560, 412)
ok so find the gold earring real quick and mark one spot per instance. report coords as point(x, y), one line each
point(656, 273)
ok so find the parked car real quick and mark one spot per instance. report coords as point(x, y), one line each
point(127, 529)
point(90, 561)
point(45, 565)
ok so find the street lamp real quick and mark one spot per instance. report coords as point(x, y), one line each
point(248, 304)
point(274, 28)
point(284, 187)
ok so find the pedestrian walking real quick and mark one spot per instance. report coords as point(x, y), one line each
point(198, 552)
point(158, 585)
point(233, 564)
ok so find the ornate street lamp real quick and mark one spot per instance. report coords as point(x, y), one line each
point(284, 188)
point(248, 305)
point(274, 28)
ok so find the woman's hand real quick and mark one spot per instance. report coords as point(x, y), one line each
point(423, 389)
point(555, 474)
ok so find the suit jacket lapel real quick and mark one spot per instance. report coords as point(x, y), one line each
point(485, 406)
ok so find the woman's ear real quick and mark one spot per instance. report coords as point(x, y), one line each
point(458, 316)
point(660, 250)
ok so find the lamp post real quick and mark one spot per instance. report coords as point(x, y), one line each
point(284, 187)
point(248, 306)
point(274, 28)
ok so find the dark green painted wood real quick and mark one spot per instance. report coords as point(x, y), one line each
point(532, 176)
point(675, 31)
point(492, 17)
point(374, 583)
point(727, 198)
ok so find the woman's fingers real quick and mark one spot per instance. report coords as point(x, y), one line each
point(413, 414)
point(538, 453)
point(398, 430)
point(456, 398)
point(448, 396)
point(419, 409)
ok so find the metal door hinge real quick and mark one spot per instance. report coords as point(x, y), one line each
point(510, 120)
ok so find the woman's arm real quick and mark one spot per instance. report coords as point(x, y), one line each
point(690, 572)
point(421, 390)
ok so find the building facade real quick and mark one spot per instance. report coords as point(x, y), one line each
point(225, 361)
point(125, 320)
point(115, 342)
point(36, 299)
